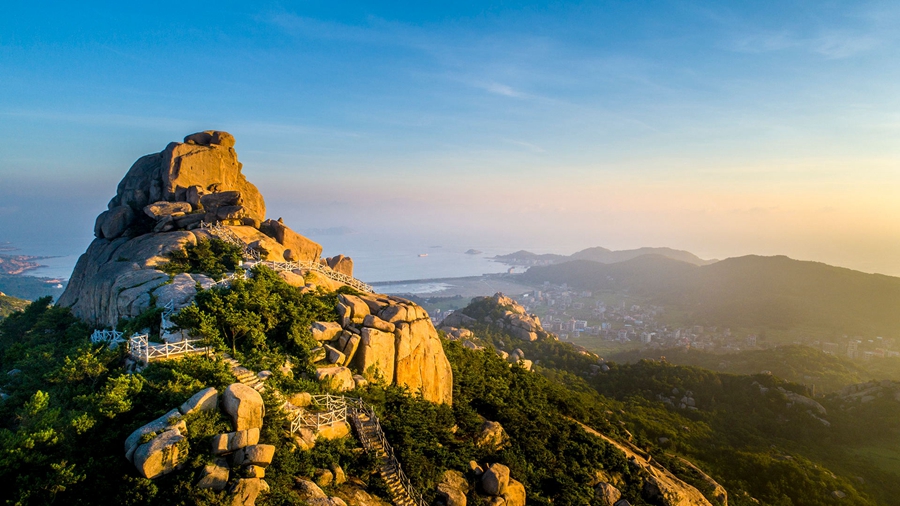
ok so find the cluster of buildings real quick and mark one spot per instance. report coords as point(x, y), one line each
point(578, 314)
point(857, 348)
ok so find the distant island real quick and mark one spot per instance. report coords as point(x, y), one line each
point(474, 252)
point(598, 254)
point(13, 265)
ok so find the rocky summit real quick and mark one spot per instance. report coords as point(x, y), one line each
point(195, 190)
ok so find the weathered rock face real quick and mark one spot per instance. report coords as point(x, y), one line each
point(158, 208)
point(245, 406)
point(300, 248)
point(185, 171)
point(162, 455)
point(387, 339)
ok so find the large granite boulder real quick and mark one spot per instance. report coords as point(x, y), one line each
point(376, 355)
point(607, 494)
point(453, 488)
point(514, 494)
point(204, 400)
point(215, 476)
point(244, 405)
point(495, 479)
point(387, 339)
point(337, 378)
point(421, 363)
point(169, 421)
point(161, 455)
point(301, 248)
point(491, 436)
point(246, 490)
point(182, 170)
point(232, 441)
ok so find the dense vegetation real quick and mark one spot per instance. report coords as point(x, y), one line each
point(748, 438)
point(212, 257)
point(70, 406)
point(798, 364)
point(747, 292)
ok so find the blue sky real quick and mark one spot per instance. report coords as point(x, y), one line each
point(724, 128)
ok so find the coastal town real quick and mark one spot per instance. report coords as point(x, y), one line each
point(610, 321)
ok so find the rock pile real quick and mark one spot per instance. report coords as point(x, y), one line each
point(492, 483)
point(514, 319)
point(158, 208)
point(502, 489)
point(383, 338)
point(160, 447)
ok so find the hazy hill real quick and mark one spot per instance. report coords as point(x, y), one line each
point(606, 256)
point(602, 255)
point(9, 304)
point(30, 287)
point(751, 291)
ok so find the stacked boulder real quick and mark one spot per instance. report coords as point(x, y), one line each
point(186, 183)
point(493, 485)
point(514, 319)
point(160, 447)
point(158, 209)
point(383, 338)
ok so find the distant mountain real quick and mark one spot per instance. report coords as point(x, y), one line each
point(599, 254)
point(606, 256)
point(751, 291)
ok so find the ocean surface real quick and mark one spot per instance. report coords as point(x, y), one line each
point(373, 260)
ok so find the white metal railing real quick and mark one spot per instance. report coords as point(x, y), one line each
point(141, 349)
point(110, 337)
point(323, 269)
point(225, 234)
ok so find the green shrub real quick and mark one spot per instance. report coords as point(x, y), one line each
point(212, 257)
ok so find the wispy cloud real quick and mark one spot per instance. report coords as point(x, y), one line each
point(504, 90)
point(832, 44)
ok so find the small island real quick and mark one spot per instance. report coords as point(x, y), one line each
point(474, 252)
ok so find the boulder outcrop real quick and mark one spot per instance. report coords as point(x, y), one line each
point(388, 339)
point(158, 208)
point(498, 310)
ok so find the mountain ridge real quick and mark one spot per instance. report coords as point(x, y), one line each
point(601, 255)
point(749, 291)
